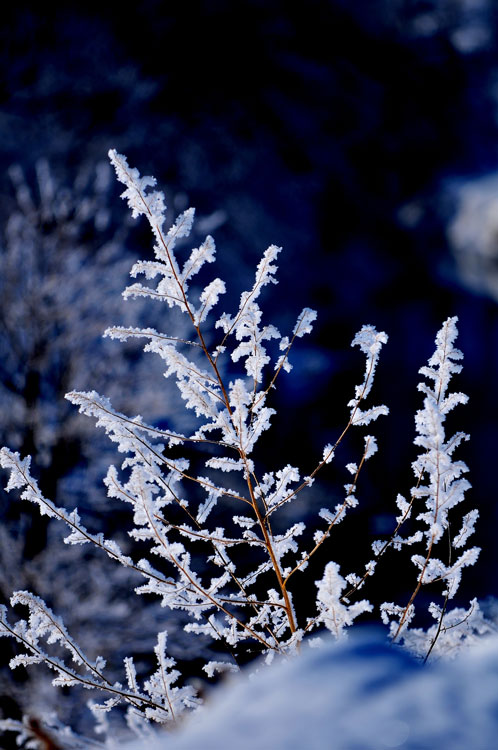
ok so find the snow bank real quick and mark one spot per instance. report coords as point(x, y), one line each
point(360, 695)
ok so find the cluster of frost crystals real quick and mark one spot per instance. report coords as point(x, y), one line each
point(335, 615)
point(440, 484)
point(174, 281)
point(370, 342)
point(453, 632)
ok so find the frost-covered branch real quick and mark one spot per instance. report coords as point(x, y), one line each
point(440, 479)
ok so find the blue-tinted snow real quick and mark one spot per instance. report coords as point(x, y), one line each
point(359, 695)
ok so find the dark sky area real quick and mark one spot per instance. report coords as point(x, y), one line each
point(348, 133)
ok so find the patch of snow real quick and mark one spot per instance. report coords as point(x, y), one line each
point(361, 694)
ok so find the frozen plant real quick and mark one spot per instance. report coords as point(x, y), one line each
point(441, 485)
point(218, 547)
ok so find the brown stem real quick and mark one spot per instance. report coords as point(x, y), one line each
point(268, 543)
point(439, 627)
point(415, 592)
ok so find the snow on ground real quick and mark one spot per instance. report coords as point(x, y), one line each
point(359, 695)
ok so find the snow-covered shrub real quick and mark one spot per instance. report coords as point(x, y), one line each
point(211, 540)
